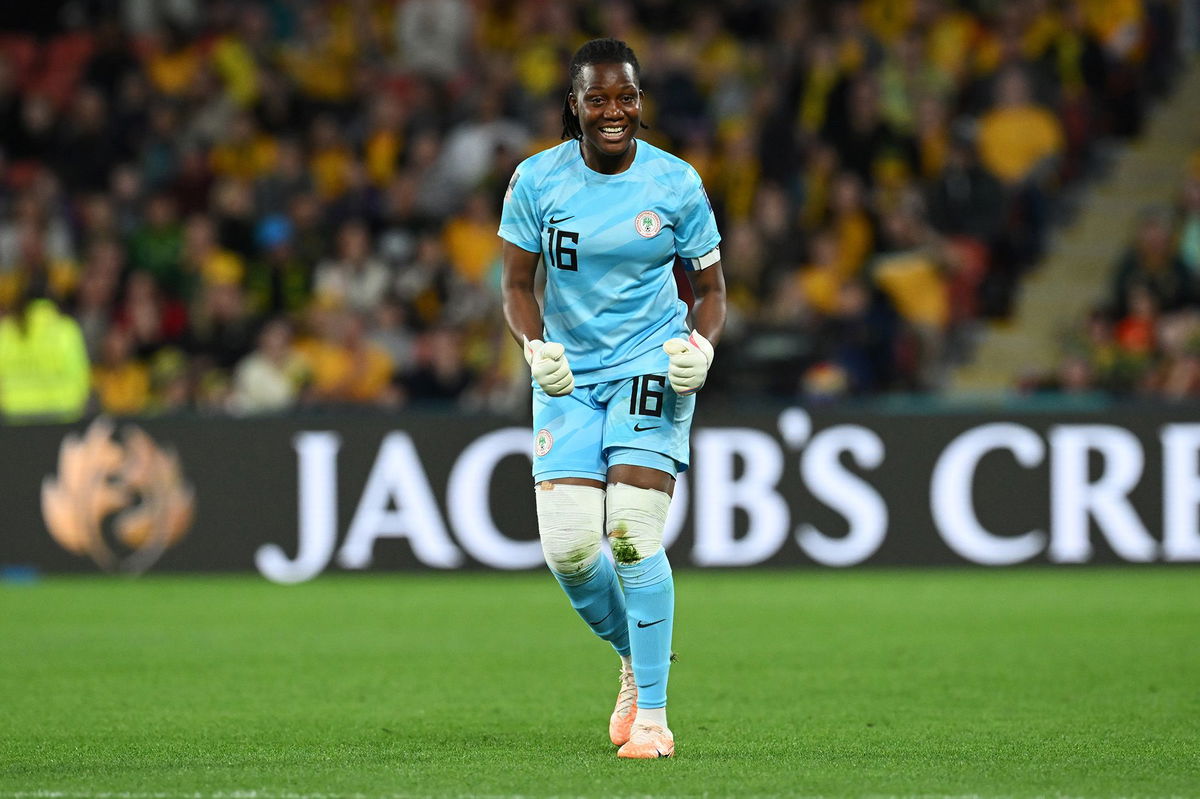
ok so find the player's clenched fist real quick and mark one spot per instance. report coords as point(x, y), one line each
point(548, 362)
point(690, 360)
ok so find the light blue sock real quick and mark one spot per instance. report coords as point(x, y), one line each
point(596, 596)
point(650, 600)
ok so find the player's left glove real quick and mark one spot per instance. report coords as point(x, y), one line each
point(548, 363)
point(690, 360)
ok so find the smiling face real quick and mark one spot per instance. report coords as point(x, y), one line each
point(608, 103)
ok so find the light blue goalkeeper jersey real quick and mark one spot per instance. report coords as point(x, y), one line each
point(608, 245)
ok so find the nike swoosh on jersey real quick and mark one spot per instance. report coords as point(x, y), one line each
point(554, 221)
point(637, 428)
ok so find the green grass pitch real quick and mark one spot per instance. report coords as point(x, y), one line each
point(1038, 682)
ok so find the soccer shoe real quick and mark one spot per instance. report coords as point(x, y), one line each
point(625, 712)
point(648, 741)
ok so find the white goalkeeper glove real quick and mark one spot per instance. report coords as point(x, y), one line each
point(548, 363)
point(690, 360)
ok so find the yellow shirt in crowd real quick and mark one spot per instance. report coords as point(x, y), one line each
point(381, 152)
point(1012, 141)
point(855, 239)
point(820, 286)
point(173, 73)
point(914, 284)
point(471, 247)
point(338, 376)
point(330, 170)
point(247, 160)
point(123, 389)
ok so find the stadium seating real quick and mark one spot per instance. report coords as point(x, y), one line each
point(871, 163)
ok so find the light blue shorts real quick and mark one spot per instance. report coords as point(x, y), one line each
point(637, 421)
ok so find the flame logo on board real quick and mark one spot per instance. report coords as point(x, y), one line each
point(121, 503)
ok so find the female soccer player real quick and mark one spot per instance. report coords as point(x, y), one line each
point(615, 368)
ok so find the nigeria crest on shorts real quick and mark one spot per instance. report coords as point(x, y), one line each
point(648, 224)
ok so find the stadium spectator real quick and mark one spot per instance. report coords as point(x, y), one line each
point(401, 221)
point(440, 373)
point(112, 60)
point(469, 147)
point(154, 320)
point(820, 281)
point(347, 368)
point(1145, 339)
point(97, 293)
point(432, 37)
point(1020, 142)
point(858, 338)
point(1189, 232)
point(967, 204)
point(87, 131)
point(272, 377)
point(851, 225)
point(356, 279)
point(157, 244)
point(175, 60)
point(34, 229)
point(912, 273)
point(964, 198)
point(278, 281)
point(234, 217)
point(205, 262)
point(1152, 263)
point(221, 330)
point(1018, 137)
point(43, 362)
point(244, 151)
point(34, 137)
point(97, 222)
point(390, 331)
point(470, 240)
point(120, 380)
point(286, 180)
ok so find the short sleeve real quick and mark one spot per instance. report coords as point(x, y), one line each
point(519, 220)
point(696, 233)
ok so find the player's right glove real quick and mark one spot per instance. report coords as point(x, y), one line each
point(689, 362)
point(548, 363)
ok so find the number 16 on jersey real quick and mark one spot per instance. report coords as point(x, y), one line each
point(562, 255)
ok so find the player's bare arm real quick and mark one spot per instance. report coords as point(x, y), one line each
point(708, 314)
point(691, 358)
point(521, 309)
point(547, 359)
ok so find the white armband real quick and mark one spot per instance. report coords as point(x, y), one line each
point(706, 260)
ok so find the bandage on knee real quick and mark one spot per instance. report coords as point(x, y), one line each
point(570, 524)
point(635, 521)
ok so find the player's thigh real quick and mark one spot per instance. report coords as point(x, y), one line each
point(643, 476)
point(646, 429)
point(568, 438)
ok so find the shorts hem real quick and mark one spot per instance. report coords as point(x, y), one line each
point(554, 474)
point(648, 458)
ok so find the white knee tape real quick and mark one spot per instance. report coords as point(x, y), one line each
point(635, 521)
point(570, 522)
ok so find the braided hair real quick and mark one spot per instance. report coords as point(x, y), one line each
point(597, 51)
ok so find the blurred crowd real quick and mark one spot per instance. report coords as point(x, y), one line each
point(1144, 339)
point(237, 207)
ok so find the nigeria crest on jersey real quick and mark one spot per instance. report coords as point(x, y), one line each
point(542, 442)
point(648, 224)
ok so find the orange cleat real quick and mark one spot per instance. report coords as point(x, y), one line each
point(625, 712)
point(647, 741)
